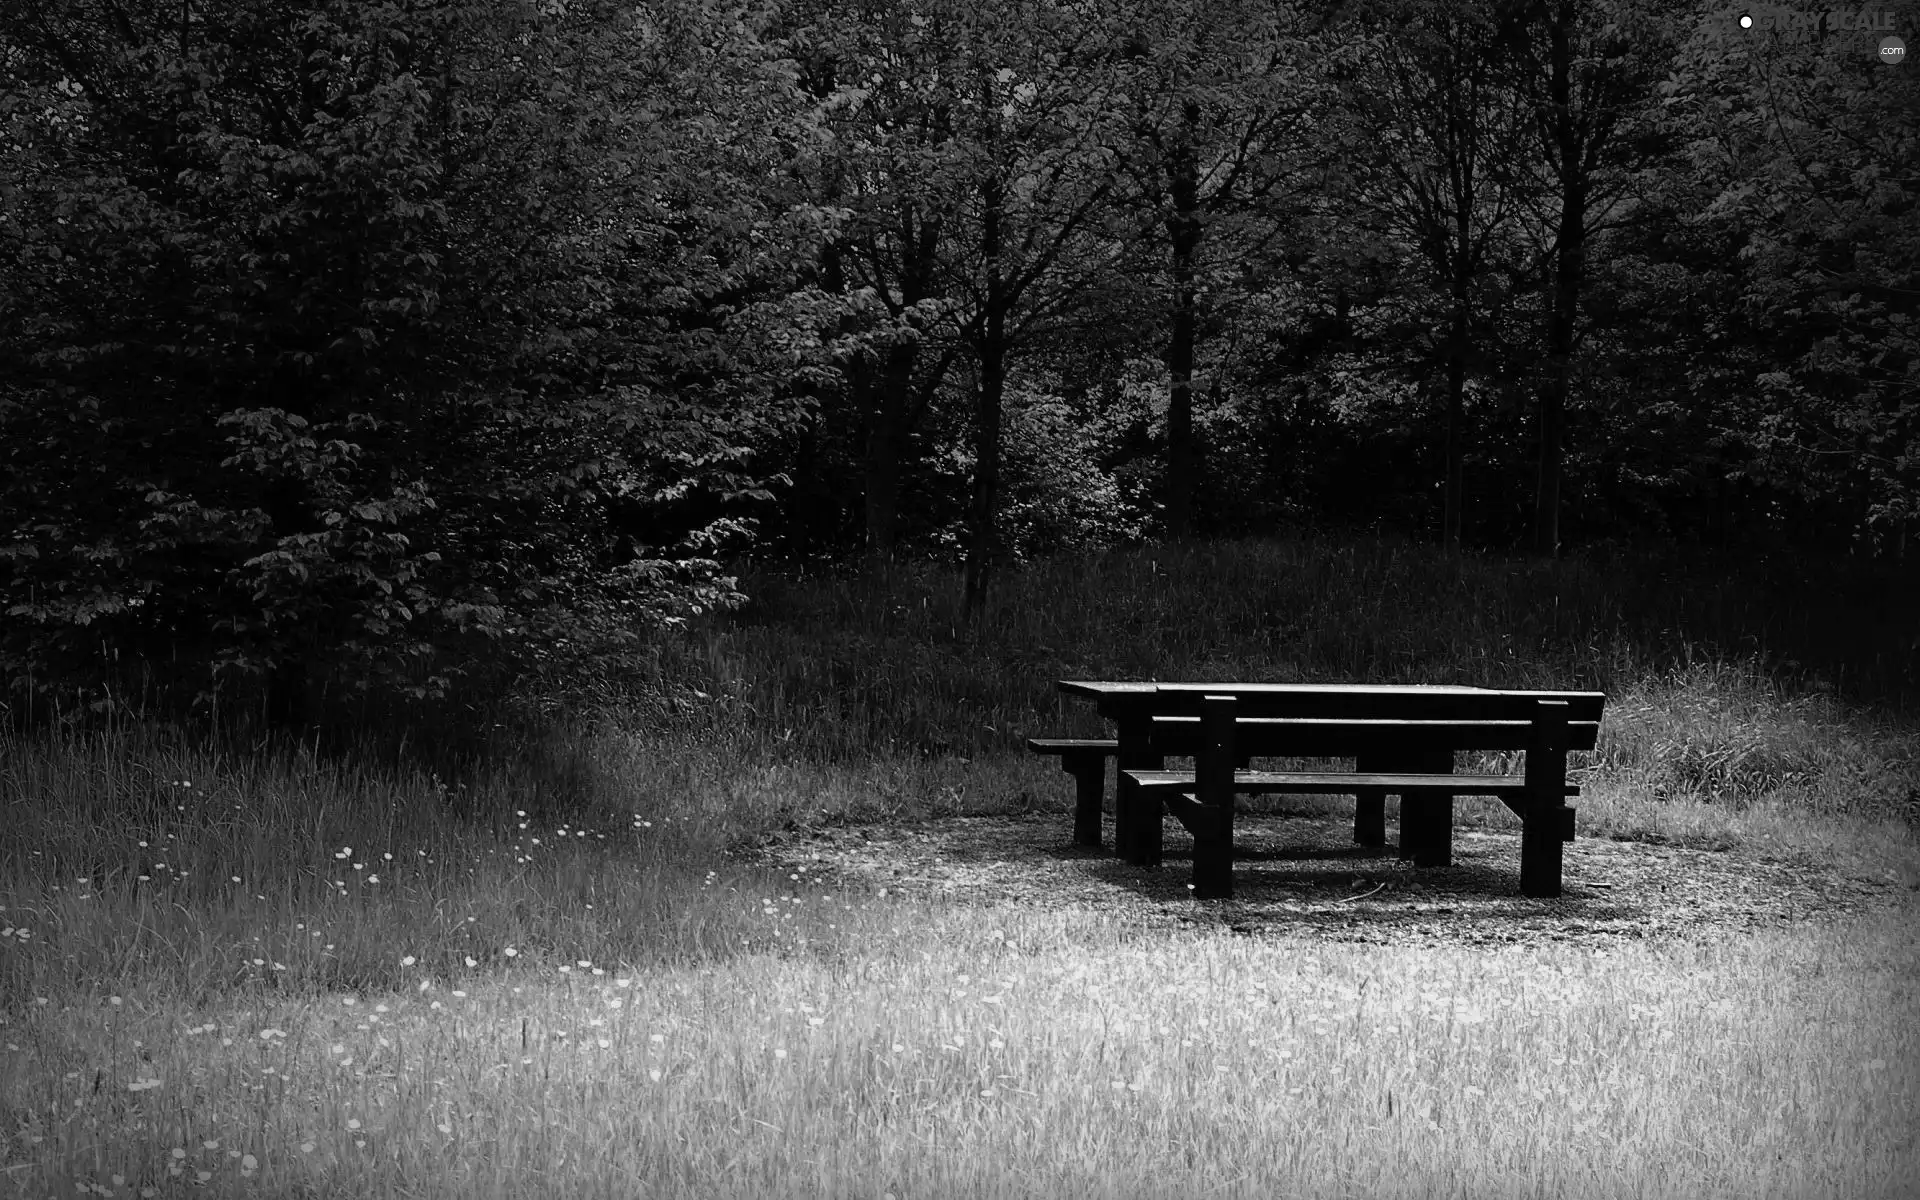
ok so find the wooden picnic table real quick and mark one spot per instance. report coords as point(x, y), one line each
point(1401, 736)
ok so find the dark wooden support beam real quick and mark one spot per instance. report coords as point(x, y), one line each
point(1369, 810)
point(1089, 773)
point(1213, 779)
point(1432, 813)
point(1136, 817)
point(1200, 820)
point(1543, 823)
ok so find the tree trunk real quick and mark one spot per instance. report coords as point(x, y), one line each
point(982, 542)
point(893, 414)
point(890, 397)
point(1456, 434)
point(288, 709)
point(991, 347)
point(1553, 397)
point(1569, 262)
point(1183, 235)
point(1457, 372)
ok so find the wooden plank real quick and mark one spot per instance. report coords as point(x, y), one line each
point(1090, 687)
point(1170, 783)
point(1313, 737)
point(1467, 704)
point(1071, 746)
point(1340, 783)
point(1115, 706)
point(1540, 842)
point(1243, 691)
point(1337, 700)
point(1240, 691)
point(1201, 820)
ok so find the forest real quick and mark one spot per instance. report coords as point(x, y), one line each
point(370, 348)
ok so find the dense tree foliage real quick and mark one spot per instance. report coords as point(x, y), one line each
point(336, 334)
point(372, 342)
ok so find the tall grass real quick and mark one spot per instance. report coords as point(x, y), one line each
point(853, 668)
point(241, 969)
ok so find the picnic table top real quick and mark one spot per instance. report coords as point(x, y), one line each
point(1088, 687)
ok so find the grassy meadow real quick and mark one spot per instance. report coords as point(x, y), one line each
point(269, 970)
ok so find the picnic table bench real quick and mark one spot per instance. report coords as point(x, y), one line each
point(1402, 739)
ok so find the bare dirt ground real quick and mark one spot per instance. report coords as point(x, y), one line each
point(1302, 875)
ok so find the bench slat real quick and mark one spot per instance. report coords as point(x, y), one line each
point(1074, 745)
point(1314, 737)
point(1355, 704)
point(1295, 737)
point(1340, 783)
point(1202, 820)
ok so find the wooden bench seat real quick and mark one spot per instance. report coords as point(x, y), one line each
point(1069, 747)
point(1086, 760)
point(1336, 783)
point(1175, 788)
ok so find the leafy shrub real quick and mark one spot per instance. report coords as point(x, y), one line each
point(1057, 496)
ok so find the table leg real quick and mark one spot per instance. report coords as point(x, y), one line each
point(1213, 768)
point(1412, 811)
point(1149, 826)
point(1544, 823)
point(1369, 807)
point(1089, 784)
point(1426, 816)
point(1133, 811)
point(1436, 840)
